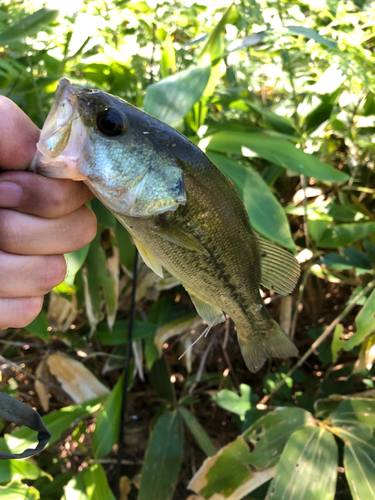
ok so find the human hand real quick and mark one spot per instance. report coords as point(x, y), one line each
point(40, 219)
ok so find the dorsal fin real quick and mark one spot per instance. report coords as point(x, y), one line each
point(280, 270)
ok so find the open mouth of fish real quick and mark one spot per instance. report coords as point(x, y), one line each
point(63, 137)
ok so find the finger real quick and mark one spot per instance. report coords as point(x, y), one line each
point(20, 312)
point(30, 276)
point(37, 195)
point(29, 235)
point(18, 136)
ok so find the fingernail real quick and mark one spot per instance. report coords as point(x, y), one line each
point(10, 194)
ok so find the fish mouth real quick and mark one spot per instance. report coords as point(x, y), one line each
point(62, 138)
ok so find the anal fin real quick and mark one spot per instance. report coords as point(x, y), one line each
point(280, 270)
point(148, 258)
point(212, 315)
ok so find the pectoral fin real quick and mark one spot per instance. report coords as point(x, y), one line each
point(280, 271)
point(178, 235)
point(148, 258)
point(212, 315)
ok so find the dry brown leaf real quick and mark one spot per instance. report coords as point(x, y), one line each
point(286, 307)
point(175, 327)
point(125, 487)
point(41, 389)
point(61, 311)
point(75, 379)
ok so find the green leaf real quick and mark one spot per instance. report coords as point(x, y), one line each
point(172, 98)
point(198, 432)
point(39, 327)
point(29, 25)
point(307, 468)
point(310, 33)
point(160, 377)
point(18, 491)
point(354, 411)
point(229, 470)
point(74, 262)
point(234, 403)
point(337, 343)
point(24, 468)
point(212, 43)
point(270, 433)
point(344, 234)
point(89, 484)
point(359, 460)
point(119, 333)
point(108, 422)
point(265, 212)
point(163, 458)
point(365, 323)
point(277, 151)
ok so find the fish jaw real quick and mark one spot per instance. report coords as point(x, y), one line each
point(62, 138)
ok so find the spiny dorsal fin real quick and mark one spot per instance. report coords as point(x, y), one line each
point(280, 270)
point(148, 258)
point(178, 235)
point(212, 315)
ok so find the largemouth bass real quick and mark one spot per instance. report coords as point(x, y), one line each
point(182, 212)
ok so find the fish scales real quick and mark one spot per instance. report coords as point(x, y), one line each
point(183, 213)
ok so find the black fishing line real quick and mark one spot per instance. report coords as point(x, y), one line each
point(124, 402)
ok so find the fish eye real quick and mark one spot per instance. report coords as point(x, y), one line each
point(111, 122)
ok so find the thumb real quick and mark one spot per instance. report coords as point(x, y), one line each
point(18, 137)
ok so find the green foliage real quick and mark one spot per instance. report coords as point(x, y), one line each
point(281, 98)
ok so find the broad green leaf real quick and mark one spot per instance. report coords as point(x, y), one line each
point(354, 411)
point(29, 25)
point(89, 484)
point(26, 469)
point(198, 432)
point(212, 43)
point(281, 123)
point(277, 151)
point(310, 33)
point(344, 234)
point(270, 433)
point(228, 470)
point(108, 422)
point(359, 460)
point(265, 212)
point(56, 423)
point(172, 98)
point(18, 491)
point(119, 333)
point(365, 323)
point(307, 468)
point(234, 403)
point(74, 262)
point(39, 327)
point(163, 458)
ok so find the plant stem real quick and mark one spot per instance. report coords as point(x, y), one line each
point(320, 339)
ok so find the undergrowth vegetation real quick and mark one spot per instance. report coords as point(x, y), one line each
point(280, 95)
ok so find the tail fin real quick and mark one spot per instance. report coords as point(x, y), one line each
point(273, 342)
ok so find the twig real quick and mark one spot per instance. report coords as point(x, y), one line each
point(202, 363)
point(320, 339)
point(30, 375)
point(299, 300)
point(225, 353)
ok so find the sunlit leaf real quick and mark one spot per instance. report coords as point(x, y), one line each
point(172, 98)
point(344, 234)
point(310, 33)
point(30, 24)
point(353, 412)
point(309, 453)
point(277, 151)
point(89, 484)
point(18, 491)
point(365, 322)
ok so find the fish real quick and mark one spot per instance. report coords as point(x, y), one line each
point(183, 214)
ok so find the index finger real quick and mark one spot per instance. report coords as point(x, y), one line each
point(18, 136)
